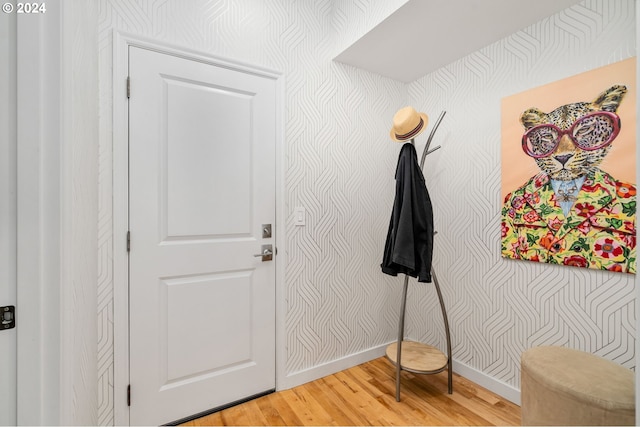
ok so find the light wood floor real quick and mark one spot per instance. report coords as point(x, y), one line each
point(365, 395)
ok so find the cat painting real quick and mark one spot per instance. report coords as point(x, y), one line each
point(572, 212)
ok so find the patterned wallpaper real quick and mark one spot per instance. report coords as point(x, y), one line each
point(497, 307)
point(339, 162)
point(339, 165)
point(78, 196)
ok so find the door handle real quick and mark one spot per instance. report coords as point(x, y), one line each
point(266, 254)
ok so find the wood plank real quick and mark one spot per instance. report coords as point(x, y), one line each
point(493, 408)
point(386, 411)
point(325, 398)
point(412, 411)
point(489, 407)
point(211, 419)
point(345, 394)
point(246, 414)
point(365, 395)
point(280, 403)
point(386, 372)
point(369, 403)
point(306, 407)
point(276, 410)
point(419, 391)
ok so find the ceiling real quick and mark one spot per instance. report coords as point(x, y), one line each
point(424, 35)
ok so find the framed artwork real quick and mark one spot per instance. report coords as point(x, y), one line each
point(568, 171)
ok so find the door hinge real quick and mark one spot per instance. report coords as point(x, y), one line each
point(128, 87)
point(128, 241)
point(129, 395)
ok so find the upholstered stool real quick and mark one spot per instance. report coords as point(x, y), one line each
point(561, 386)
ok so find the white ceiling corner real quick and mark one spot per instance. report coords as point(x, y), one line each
point(425, 35)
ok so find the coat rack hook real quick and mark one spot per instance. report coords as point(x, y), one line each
point(433, 131)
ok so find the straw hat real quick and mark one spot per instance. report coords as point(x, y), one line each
point(407, 124)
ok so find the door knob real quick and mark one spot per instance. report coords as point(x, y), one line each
point(266, 254)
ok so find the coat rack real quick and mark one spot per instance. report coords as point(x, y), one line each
point(421, 358)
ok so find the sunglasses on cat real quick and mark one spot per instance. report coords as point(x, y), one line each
point(591, 132)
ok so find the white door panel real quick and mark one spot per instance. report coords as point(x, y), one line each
point(201, 184)
point(197, 112)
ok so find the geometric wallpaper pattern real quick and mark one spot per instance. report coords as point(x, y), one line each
point(499, 307)
point(339, 166)
point(339, 161)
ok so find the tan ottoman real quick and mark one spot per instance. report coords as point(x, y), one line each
point(561, 386)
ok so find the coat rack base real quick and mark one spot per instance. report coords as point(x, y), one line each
point(418, 358)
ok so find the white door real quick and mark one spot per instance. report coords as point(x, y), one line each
point(201, 184)
point(7, 217)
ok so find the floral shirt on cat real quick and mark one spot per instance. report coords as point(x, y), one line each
point(599, 231)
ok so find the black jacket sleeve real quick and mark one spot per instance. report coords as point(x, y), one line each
point(409, 245)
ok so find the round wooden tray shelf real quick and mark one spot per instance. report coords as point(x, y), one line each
point(418, 357)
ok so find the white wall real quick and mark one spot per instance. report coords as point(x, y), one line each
point(353, 19)
point(38, 216)
point(498, 308)
point(79, 211)
point(8, 148)
point(339, 165)
point(56, 247)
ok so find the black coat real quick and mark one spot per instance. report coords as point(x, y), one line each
point(409, 245)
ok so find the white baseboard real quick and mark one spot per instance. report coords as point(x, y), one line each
point(295, 379)
point(500, 388)
point(301, 377)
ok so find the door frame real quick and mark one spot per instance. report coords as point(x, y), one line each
point(57, 175)
point(8, 216)
point(121, 43)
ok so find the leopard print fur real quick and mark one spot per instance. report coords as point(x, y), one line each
point(567, 161)
point(572, 213)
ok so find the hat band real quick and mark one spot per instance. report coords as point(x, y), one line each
point(413, 132)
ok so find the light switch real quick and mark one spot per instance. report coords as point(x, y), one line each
point(299, 216)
